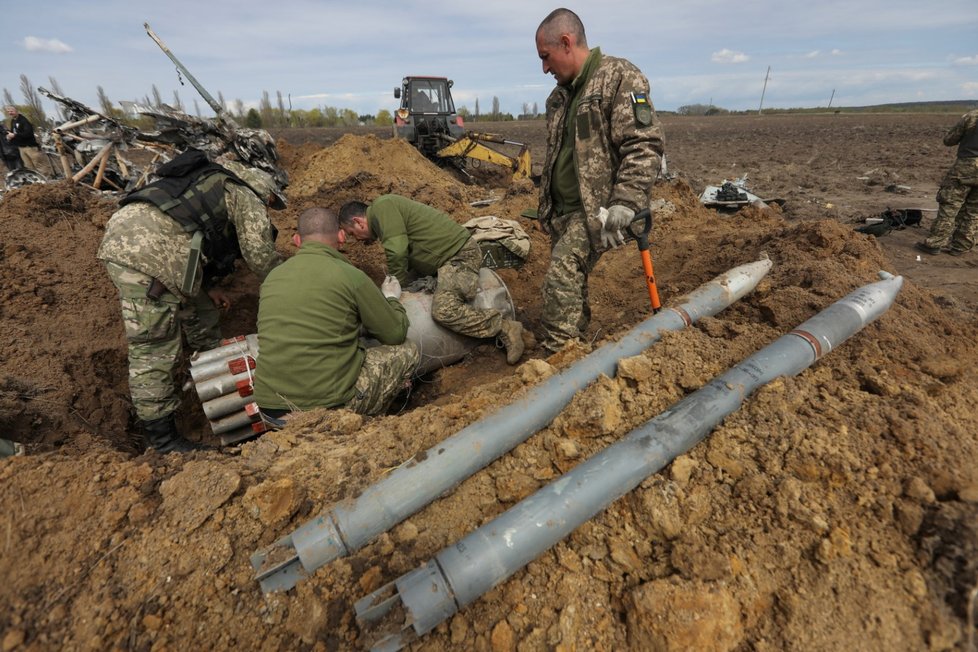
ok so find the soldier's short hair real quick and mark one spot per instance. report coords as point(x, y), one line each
point(317, 221)
point(351, 209)
point(562, 21)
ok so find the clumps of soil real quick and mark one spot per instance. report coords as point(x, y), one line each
point(833, 508)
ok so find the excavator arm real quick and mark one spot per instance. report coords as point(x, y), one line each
point(472, 145)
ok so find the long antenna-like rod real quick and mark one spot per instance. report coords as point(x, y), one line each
point(764, 90)
point(218, 109)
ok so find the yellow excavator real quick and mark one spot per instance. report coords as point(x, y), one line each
point(427, 119)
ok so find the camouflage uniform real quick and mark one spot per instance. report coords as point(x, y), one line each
point(422, 240)
point(386, 371)
point(142, 243)
point(956, 223)
point(616, 155)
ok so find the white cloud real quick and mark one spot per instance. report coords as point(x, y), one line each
point(967, 61)
point(970, 88)
point(729, 56)
point(56, 46)
point(836, 52)
point(812, 54)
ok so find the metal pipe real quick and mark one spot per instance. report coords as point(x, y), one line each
point(462, 572)
point(235, 346)
point(231, 364)
point(221, 385)
point(223, 405)
point(351, 524)
point(233, 421)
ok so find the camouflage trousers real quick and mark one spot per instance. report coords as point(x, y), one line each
point(566, 307)
point(153, 332)
point(458, 283)
point(386, 371)
point(956, 223)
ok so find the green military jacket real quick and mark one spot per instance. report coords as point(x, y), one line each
point(417, 238)
point(617, 147)
point(310, 313)
point(964, 134)
point(142, 237)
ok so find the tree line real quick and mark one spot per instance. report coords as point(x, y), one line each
point(266, 115)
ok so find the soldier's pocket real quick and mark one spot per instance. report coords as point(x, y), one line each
point(148, 321)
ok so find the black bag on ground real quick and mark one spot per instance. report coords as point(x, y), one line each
point(891, 219)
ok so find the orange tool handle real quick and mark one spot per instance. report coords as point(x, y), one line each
point(650, 280)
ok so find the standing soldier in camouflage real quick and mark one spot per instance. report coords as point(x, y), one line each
point(164, 250)
point(310, 313)
point(423, 241)
point(604, 144)
point(956, 224)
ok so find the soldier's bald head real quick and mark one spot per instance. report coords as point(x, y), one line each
point(562, 21)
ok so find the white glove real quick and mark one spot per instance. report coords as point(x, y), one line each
point(610, 238)
point(391, 287)
point(619, 217)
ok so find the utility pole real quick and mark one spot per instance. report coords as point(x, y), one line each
point(764, 90)
point(831, 98)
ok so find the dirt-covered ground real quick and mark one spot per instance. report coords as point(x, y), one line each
point(837, 509)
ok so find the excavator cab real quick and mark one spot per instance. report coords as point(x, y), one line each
point(426, 117)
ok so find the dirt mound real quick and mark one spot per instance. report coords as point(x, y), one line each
point(835, 508)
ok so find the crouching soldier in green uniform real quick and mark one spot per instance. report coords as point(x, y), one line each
point(310, 314)
point(164, 250)
point(422, 241)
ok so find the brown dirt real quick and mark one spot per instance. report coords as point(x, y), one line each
point(835, 510)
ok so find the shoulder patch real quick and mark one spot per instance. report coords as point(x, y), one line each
point(642, 109)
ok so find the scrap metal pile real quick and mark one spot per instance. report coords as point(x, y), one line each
point(91, 148)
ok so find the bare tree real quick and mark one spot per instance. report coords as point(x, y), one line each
point(196, 107)
point(265, 109)
point(8, 99)
point(157, 99)
point(104, 102)
point(477, 107)
point(177, 104)
point(495, 107)
point(282, 115)
point(33, 100)
point(56, 88)
point(526, 108)
point(536, 110)
point(220, 100)
point(238, 108)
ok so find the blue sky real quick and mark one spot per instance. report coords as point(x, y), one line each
point(353, 54)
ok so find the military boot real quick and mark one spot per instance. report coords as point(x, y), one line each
point(511, 335)
point(163, 437)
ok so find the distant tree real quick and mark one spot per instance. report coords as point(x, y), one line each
point(33, 102)
point(283, 117)
point(220, 100)
point(477, 108)
point(196, 108)
point(495, 108)
point(253, 119)
point(238, 108)
point(536, 111)
point(365, 119)
point(56, 88)
point(315, 118)
point(177, 104)
point(8, 99)
point(463, 111)
point(265, 109)
point(384, 118)
point(157, 98)
point(349, 117)
point(526, 108)
point(105, 104)
point(331, 115)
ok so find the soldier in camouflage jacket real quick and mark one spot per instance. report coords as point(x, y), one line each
point(956, 225)
point(146, 254)
point(604, 144)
